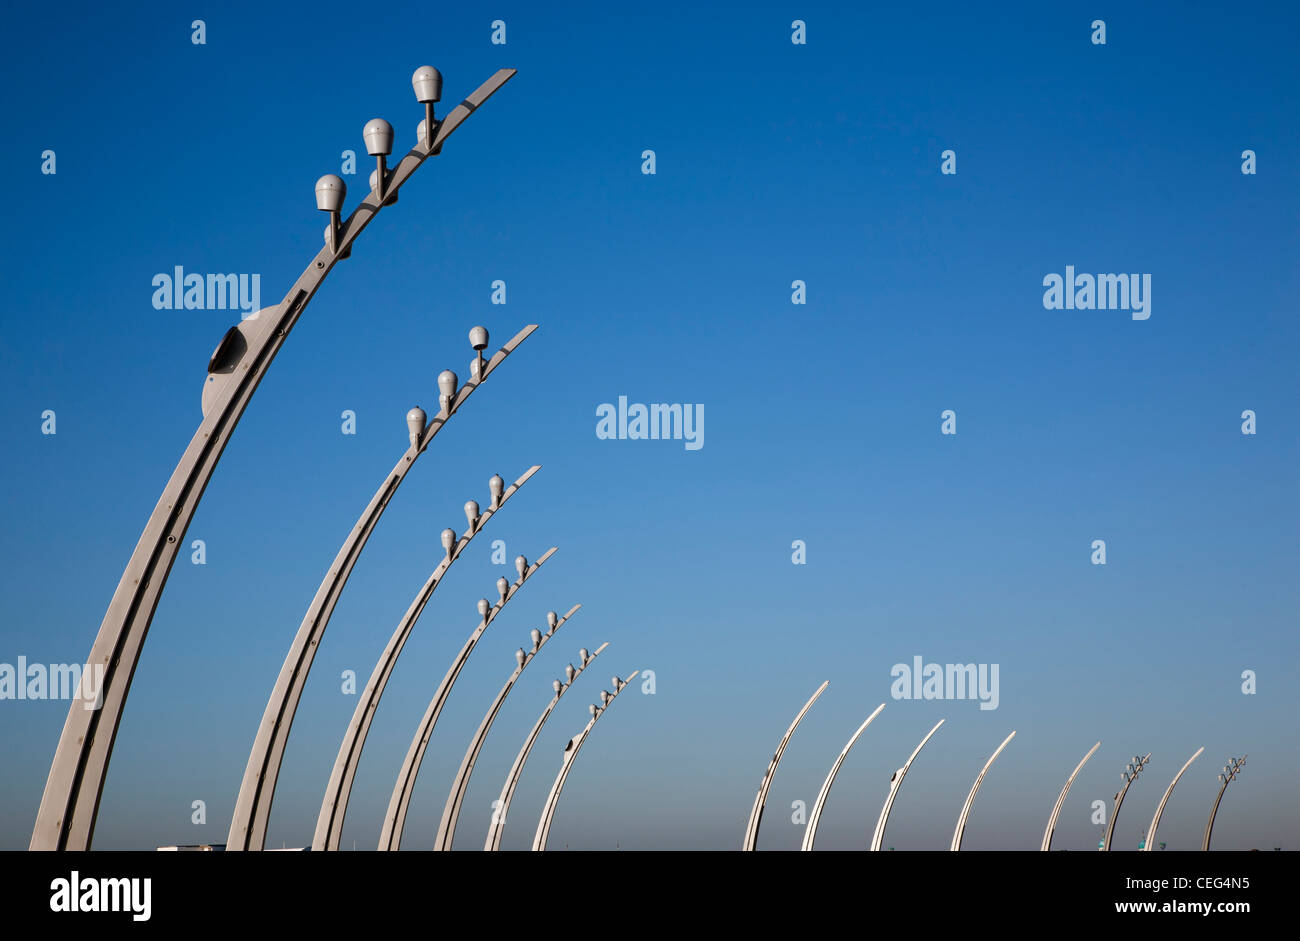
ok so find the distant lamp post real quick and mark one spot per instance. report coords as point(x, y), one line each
point(1129, 774)
point(1155, 821)
point(760, 800)
point(399, 803)
point(451, 813)
point(570, 755)
point(329, 822)
point(895, 783)
point(970, 798)
point(1056, 808)
point(815, 817)
point(70, 802)
point(1226, 777)
point(502, 804)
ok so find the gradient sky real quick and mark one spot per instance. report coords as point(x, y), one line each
point(775, 162)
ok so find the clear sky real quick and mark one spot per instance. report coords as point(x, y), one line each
point(775, 162)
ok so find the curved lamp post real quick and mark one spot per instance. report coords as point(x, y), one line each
point(894, 784)
point(1056, 809)
point(561, 687)
point(450, 814)
point(1130, 774)
point(1227, 776)
point(329, 823)
point(811, 833)
point(70, 802)
point(1155, 821)
point(390, 837)
point(960, 832)
point(760, 800)
point(251, 817)
point(570, 754)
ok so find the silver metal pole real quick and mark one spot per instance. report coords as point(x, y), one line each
point(1134, 769)
point(760, 800)
point(451, 812)
point(960, 832)
point(895, 783)
point(1227, 776)
point(70, 802)
point(1155, 821)
point(1056, 809)
point(390, 837)
point(815, 818)
point(570, 755)
point(329, 823)
point(498, 825)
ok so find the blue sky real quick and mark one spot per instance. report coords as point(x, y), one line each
point(775, 162)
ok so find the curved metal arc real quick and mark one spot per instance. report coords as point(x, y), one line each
point(70, 801)
point(815, 818)
point(895, 783)
point(1155, 821)
point(1119, 802)
point(566, 765)
point(399, 802)
point(451, 812)
point(498, 824)
point(329, 822)
point(760, 799)
point(960, 832)
point(251, 817)
point(1060, 800)
point(1235, 767)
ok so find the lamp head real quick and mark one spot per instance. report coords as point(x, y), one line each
point(478, 337)
point(536, 637)
point(471, 512)
point(569, 673)
point(521, 565)
point(552, 621)
point(330, 193)
point(378, 134)
point(427, 82)
point(503, 587)
point(520, 656)
point(416, 420)
point(584, 656)
point(483, 607)
point(449, 540)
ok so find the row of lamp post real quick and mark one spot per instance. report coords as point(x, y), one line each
point(1130, 775)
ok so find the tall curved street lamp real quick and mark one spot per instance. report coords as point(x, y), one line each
point(571, 673)
point(399, 802)
point(451, 812)
point(329, 822)
point(70, 802)
point(1226, 776)
point(1056, 808)
point(895, 783)
point(570, 755)
point(760, 800)
point(251, 817)
point(960, 832)
point(815, 818)
point(1155, 821)
point(1129, 774)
